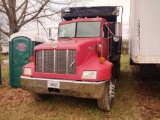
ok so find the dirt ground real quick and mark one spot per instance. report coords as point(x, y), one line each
point(148, 87)
point(149, 102)
point(149, 99)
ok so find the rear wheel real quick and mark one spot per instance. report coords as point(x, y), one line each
point(39, 97)
point(105, 102)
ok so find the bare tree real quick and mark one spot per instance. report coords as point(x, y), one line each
point(17, 13)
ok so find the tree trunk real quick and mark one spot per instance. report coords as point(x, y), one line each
point(13, 20)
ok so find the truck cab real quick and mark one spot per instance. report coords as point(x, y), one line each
point(82, 62)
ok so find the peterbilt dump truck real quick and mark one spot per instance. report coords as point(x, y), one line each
point(144, 37)
point(83, 62)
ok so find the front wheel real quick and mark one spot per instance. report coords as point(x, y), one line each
point(105, 102)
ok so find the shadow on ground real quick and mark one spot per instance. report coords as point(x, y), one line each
point(148, 92)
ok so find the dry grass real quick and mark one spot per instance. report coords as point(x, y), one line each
point(128, 104)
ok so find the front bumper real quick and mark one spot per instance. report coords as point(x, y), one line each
point(66, 87)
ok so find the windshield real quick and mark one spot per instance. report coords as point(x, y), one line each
point(67, 30)
point(80, 29)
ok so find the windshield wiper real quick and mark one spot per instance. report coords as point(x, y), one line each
point(68, 37)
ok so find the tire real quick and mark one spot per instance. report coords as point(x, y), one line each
point(105, 102)
point(117, 66)
point(39, 97)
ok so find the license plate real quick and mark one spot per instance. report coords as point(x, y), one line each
point(53, 84)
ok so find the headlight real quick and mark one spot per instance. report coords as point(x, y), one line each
point(27, 71)
point(89, 75)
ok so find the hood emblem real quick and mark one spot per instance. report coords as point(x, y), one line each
point(55, 45)
point(72, 64)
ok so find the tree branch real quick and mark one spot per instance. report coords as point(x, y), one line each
point(33, 17)
point(6, 9)
point(2, 11)
point(62, 3)
point(4, 32)
point(23, 12)
point(47, 15)
point(21, 5)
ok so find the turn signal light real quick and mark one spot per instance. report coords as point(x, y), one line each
point(102, 59)
point(31, 58)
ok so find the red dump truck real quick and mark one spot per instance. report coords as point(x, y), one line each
point(83, 62)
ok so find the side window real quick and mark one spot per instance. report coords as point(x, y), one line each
point(105, 31)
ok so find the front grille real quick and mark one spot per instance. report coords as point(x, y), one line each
point(56, 61)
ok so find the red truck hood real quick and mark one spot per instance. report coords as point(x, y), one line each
point(83, 46)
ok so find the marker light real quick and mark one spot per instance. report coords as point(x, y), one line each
point(102, 59)
point(31, 58)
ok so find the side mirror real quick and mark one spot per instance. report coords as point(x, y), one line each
point(116, 38)
point(118, 31)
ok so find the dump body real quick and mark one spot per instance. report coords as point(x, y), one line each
point(109, 13)
point(144, 32)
